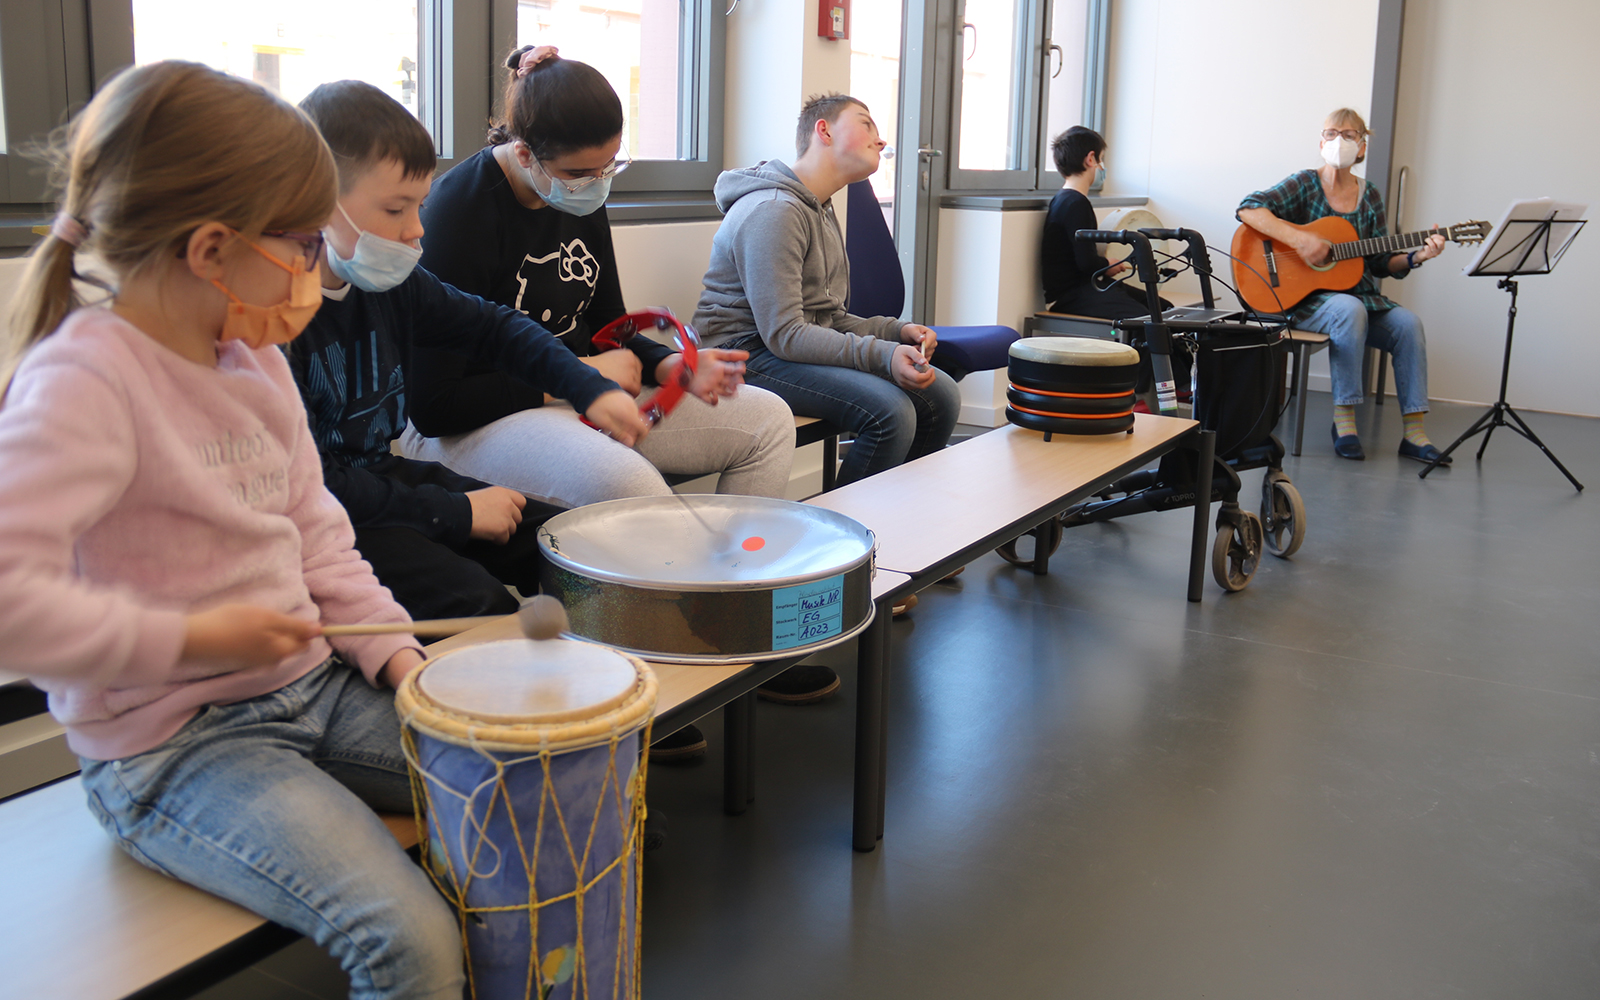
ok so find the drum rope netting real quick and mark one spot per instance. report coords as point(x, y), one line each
point(547, 972)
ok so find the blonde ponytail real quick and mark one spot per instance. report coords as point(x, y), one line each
point(161, 150)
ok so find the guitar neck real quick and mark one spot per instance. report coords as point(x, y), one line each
point(1384, 244)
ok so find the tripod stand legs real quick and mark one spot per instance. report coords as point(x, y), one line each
point(1485, 425)
point(1496, 417)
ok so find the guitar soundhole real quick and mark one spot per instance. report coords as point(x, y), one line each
point(1328, 265)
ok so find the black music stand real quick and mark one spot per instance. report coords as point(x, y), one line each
point(1520, 246)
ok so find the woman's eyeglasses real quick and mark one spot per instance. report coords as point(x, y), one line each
point(1354, 135)
point(618, 164)
point(310, 243)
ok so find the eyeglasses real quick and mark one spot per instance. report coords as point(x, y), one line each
point(310, 243)
point(618, 164)
point(1354, 135)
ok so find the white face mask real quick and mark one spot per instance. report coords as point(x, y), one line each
point(1340, 153)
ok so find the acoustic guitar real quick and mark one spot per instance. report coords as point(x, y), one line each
point(1272, 278)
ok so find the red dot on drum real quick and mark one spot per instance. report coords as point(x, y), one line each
point(753, 543)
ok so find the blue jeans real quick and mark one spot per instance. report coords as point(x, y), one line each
point(269, 803)
point(891, 425)
point(1352, 329)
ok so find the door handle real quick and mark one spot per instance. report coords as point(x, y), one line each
point(928, 151)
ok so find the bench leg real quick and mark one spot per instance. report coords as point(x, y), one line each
point(1202, 514)
point(738, 770)
point(830, 462)
point(867, 821)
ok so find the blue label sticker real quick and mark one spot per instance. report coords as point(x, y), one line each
point(807, 613)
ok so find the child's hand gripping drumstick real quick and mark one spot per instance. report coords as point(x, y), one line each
point(541, 618)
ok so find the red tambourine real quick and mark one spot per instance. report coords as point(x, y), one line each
point(618, 332)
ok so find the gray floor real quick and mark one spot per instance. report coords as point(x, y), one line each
point(1373, 773)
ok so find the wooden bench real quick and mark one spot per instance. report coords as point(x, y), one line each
point(80, 919)
point(969, 499)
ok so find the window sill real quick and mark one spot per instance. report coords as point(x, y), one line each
point(1031, 202)
point(636, 207)
point(16, 228)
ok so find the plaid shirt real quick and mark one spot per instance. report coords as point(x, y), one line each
point(1298, 199)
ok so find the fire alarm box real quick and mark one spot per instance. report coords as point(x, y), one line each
point(833, 19)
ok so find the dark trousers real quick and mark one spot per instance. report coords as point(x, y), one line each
point(433, 580)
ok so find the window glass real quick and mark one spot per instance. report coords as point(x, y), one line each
point(989, 79)
point(635, 44)
point(875, 79)
point(289, 46)
point(1064, 90)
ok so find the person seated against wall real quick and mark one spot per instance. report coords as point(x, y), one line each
point(522, 222)
point(1077, 279)
point(1361, 317)
point(445, 544)
point(777, 285)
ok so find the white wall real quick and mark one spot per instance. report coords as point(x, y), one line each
point(1210, 101)
point(988, 272)
point(661, 265)
point(1496, 104)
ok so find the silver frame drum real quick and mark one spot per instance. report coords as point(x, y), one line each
point(703, 578)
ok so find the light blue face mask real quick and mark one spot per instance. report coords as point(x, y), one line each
point(377, 264)
point(558, 196)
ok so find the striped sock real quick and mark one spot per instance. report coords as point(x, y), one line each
point(1344, 418)
point(1414, 432)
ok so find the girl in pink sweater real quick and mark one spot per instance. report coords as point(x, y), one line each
point(167, 548)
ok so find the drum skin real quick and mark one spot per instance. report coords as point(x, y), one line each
point(709, 579)
point(1068, 425)
point(482, 785)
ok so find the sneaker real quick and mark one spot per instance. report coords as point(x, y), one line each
point(905, 604)
point(682, 747)
point(800, 685)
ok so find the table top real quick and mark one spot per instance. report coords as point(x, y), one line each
point(943, 503)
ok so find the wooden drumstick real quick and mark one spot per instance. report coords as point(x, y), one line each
point(927, 355)
point(541, 618)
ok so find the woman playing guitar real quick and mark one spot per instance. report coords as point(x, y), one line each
point(1360, 317)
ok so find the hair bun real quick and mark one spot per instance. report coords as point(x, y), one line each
point(515, 58)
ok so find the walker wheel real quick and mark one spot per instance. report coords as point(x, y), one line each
point(1237, 554)
point(1283, 517)
point(1047, 534)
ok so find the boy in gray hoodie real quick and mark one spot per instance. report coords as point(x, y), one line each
point(777, 287)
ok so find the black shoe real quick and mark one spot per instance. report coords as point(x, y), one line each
point(1347, 446)
point(682, 747)
point(1425, 453)
point(800, 685)
point(655, 829)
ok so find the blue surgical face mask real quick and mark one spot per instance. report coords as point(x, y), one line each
point(377, 264)
point(584, 201)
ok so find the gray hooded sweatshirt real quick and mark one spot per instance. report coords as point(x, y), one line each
point(778, 268)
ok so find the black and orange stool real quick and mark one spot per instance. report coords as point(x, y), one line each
point(1072, 385)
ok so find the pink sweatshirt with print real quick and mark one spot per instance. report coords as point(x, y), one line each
point(137, 486)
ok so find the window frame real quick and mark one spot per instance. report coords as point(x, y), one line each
point(71, 45)
point(1034, 176)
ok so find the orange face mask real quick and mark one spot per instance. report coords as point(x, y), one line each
point(259, 326)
